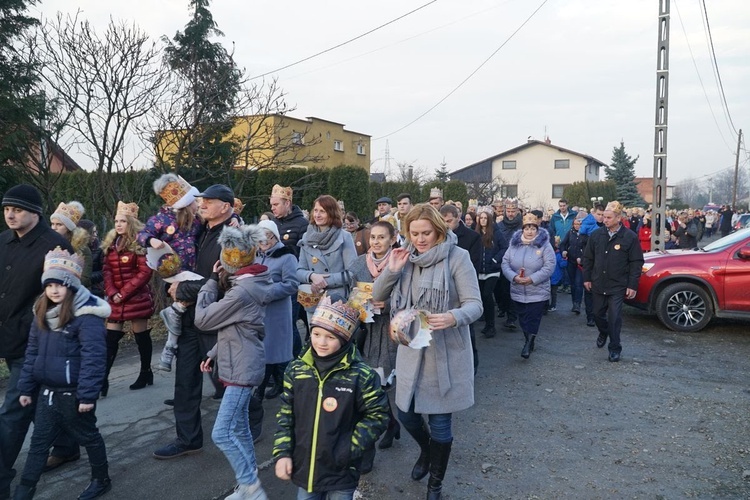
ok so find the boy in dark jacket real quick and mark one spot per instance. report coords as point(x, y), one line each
point(333, 409)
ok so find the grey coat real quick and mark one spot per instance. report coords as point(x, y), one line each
point(282, 265)
point(333, 261)
point(538, 260)
point(238, 316)
point(440, 377)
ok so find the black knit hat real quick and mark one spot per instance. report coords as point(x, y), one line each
point(24, 196)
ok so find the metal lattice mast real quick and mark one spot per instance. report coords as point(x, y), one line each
point(659, 207)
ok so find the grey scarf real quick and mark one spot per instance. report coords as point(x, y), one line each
point(52, 316)
point(321, 240)
point(433, 280)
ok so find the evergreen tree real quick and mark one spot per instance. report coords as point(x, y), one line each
point(211, 83)
point(20, 103)
point(442, 175)
point(622, 173)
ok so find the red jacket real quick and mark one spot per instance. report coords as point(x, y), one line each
point(126, 273)
point(644, 236)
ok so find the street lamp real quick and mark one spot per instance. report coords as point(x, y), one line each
point(595, 199)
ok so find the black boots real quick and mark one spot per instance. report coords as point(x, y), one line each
point(439, 455)
point(255, 414)
point(368, 459)
point(528, 347)
point(113, 345)
point(393, 431)
point(100, 482)
point(24, 492)
point(145, 349)
point(278, 381)
point(422, 467)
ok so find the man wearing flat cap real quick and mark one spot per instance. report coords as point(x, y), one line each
point(384, 205)
point(22, 250)
point(217, 207)
point(612, 263)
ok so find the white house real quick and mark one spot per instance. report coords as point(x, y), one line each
point(536, 172)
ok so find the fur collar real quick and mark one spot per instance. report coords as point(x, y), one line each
point(542, 238)
point(94, 306)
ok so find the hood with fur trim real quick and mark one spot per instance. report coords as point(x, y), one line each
point(542, 238)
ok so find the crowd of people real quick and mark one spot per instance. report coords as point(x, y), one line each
point(389, 300)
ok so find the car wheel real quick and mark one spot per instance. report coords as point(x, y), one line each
point(684, 307)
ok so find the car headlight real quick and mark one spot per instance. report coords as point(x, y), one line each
point(646, 267)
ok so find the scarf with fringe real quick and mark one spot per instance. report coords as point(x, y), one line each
point(432, 282)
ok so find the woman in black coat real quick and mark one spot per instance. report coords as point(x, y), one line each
point(572, 247)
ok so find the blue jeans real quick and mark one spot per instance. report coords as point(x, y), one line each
point(576, 281)
point(232, 433)
point(14, 423)
point(440, 423)
point(302, 494)
point(56, 412)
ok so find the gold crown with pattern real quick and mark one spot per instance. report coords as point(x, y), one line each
point(338, 318)
point(69, 214)
point(126, 209)
point(278, 191)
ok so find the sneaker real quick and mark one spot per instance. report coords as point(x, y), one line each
point(172, 320)
point(174, 450)
point(166, 358)
point(552, 308)
point(248, 492)
point(510, 325)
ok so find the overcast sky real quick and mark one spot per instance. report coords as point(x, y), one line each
point(582, 72)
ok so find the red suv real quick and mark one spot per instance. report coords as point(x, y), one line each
point(687, 288)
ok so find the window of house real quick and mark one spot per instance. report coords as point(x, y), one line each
point(338, 146)
point(360, 149)
point(509, 190)
point(557, 190)
point(509, 164)
point(562, 163)
point(298, 138)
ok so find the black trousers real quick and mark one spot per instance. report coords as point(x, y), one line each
point(486, 289)
point(608, 317)
point(57, 412)
point(192, 347)
point(504, 302)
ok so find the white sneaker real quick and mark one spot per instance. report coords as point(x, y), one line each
point(248, 492)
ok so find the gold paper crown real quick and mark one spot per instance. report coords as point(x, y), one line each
point(338, 318)
point(238, 206)
point(72, 211)
point(60, 261)
point(236, 258)
point(530, 219)
point(169, 265)
point(130, 209)
point(614, 206)
point(511, 202)
point(174, 191)
point(285, 193)
point(436, 193)
point(473, 203)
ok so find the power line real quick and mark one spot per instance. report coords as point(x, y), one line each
point(344, 43)
point(716, 68)
point(695, 65)
point(412, 37)
point(468, 77)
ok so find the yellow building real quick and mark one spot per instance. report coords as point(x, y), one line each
point(278, 141)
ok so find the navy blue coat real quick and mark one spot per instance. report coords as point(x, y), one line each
point(73, 358)
point(492, 257)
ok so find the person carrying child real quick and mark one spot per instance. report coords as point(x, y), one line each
point(66, 359)
point(177, 226)
point(238, 354)
point(333, 409)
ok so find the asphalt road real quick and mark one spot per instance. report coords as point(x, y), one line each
point(669, 421)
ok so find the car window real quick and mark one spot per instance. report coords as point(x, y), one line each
point(728, 240)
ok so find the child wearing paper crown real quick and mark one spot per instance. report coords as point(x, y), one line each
point(66, 358)
point(238, 354)
point(333, 408)
point(176, 225)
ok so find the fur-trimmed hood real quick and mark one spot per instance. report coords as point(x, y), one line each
point(542, 238)
point(92, 305)
point(79, 238)
point(112, 236)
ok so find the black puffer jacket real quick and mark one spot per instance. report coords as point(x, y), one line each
point(72, 358)
point(291, 228)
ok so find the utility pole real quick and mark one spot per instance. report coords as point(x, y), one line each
point(659, 207)
point(736, 171)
